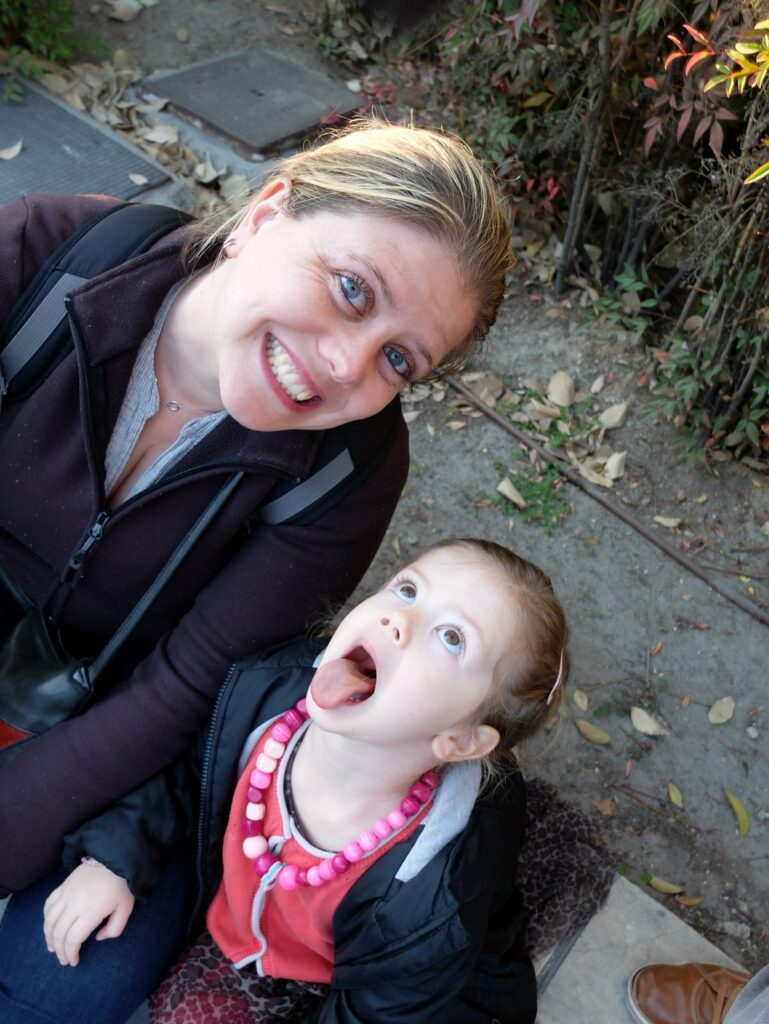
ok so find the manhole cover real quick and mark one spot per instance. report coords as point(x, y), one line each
point(65, 151)
point(255, 98)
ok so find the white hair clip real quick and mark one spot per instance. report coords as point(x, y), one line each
point(557, 682)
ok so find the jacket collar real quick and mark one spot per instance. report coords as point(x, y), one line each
point(113, 313)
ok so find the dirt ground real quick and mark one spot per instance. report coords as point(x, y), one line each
point(645, 632)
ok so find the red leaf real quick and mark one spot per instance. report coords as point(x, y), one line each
point(702, 127)
point(655, 127)
point(671, 57)
point(683, 124)
point(650, 83)
point(695, 59)
point(677, 42)
point(700, 37)
point(722, 114)
point(629, 768)
point(716, 139)
point(656, 649)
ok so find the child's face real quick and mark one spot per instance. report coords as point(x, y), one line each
point(419, 657)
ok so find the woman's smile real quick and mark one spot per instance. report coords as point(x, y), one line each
point(288, 374)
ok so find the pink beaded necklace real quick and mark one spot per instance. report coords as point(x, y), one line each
point(288, 876)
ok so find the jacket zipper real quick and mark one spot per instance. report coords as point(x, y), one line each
point(205, 775)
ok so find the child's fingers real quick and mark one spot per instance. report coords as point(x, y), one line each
point(76, 935)
point(116, 922)
point(53, 911)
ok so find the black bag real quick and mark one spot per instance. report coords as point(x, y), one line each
point(41, 685)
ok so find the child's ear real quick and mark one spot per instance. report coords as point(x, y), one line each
point(465, 744)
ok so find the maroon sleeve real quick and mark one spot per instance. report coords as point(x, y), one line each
point(30, 229)
point(262, 596)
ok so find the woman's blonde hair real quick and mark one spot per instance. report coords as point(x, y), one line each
point(422, 177)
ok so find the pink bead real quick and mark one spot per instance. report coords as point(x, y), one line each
point(274, 749)
point(301, 707)
point(382, 827)
point(353, 852)
point(254, 847)
point(292, 719)
point(409, 806)
point(431, 779)
point(421, 792)
point(251, 828)
point(302, 878)
point(368, 841)
point(266, 764)
point(326, 870)
point(255, 812)
point(259, 779)
point(263, 864)
point(314, 876)
point(281, 733)
point(255, 795)
point(397, 818)
point(287, 877)
point(340, 864)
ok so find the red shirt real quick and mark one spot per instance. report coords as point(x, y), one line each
point(286, 934)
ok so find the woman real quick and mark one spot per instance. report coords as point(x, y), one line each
point(361, 265)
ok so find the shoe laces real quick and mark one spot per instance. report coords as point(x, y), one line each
point(724, 994)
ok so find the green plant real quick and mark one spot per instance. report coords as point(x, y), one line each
point(541, 490)
point(45, 28)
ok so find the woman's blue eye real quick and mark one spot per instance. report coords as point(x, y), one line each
point(398, 362)
point(407, 592)
point(353, 292)
point(451, 639)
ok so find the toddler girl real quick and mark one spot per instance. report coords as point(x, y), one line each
point(362, 858)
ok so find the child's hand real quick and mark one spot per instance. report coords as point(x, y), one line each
point(80, 904)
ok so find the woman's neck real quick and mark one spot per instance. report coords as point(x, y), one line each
point(185, 359)
point(340, 787)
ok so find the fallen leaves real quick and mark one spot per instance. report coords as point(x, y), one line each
point(721, 711)
point(593, 733)
point(580, 699)
point(675, 795)
point(11, 152)
point(668, 888)
point(740, 812)
point(508, 490)
point(645, 723)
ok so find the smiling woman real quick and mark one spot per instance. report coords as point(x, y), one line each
point(287, 330)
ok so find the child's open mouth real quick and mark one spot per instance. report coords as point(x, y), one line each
point(347, 680)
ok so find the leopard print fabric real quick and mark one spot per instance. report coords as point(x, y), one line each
point(204, 988)
point(564, 870)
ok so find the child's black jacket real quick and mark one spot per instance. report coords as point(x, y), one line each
point(441, 948)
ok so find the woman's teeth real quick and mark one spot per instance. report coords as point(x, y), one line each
point(284, 372)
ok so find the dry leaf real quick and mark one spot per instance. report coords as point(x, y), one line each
point(410, 415)
point(431, 432)
point(686, 701)
point(508, 490)
point(765, 528)
point(670, 521)
point(54, 83)
point(162, 134)
point(233, 186)
point(689, 901)
point(396, 546)
point(614, 416)
point(604, 807)
point(580, 699)
point(669, 888)
point(561, 390)
point(592, 732)
point(597, 385)
point(721, 711)
point(646, 723)
point(182, 34)
point(656, 649)
point(675, 794)
point(701, 499)
point(456, 424)
point(125, 10)
point(11, 152)
point(740, 813)
point(615, 465)
point(138, 179)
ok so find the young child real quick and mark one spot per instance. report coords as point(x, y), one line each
point(368, 873)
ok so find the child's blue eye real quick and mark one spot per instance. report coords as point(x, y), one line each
point(451, 638)
point(406, 591)
point(399, 362)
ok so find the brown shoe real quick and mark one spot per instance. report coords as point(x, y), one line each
point(683, 993)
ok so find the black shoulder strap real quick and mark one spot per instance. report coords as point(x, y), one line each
point(35, 336)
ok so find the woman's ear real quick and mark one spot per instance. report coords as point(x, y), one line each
point(266, 205)
point(465, 744)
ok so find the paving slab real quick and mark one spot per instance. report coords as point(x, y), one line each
point(65, 151)
point(585, 981)
point(254, 98)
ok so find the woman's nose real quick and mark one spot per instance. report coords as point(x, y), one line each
point(349, 358)
point(396, 625)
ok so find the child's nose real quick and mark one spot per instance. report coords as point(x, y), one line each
point(396, 625)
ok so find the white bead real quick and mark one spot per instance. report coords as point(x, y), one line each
point(254, 812)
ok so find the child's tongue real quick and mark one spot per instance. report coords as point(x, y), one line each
point(338, 681)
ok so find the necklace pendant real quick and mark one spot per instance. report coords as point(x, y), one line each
point(173, 406)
